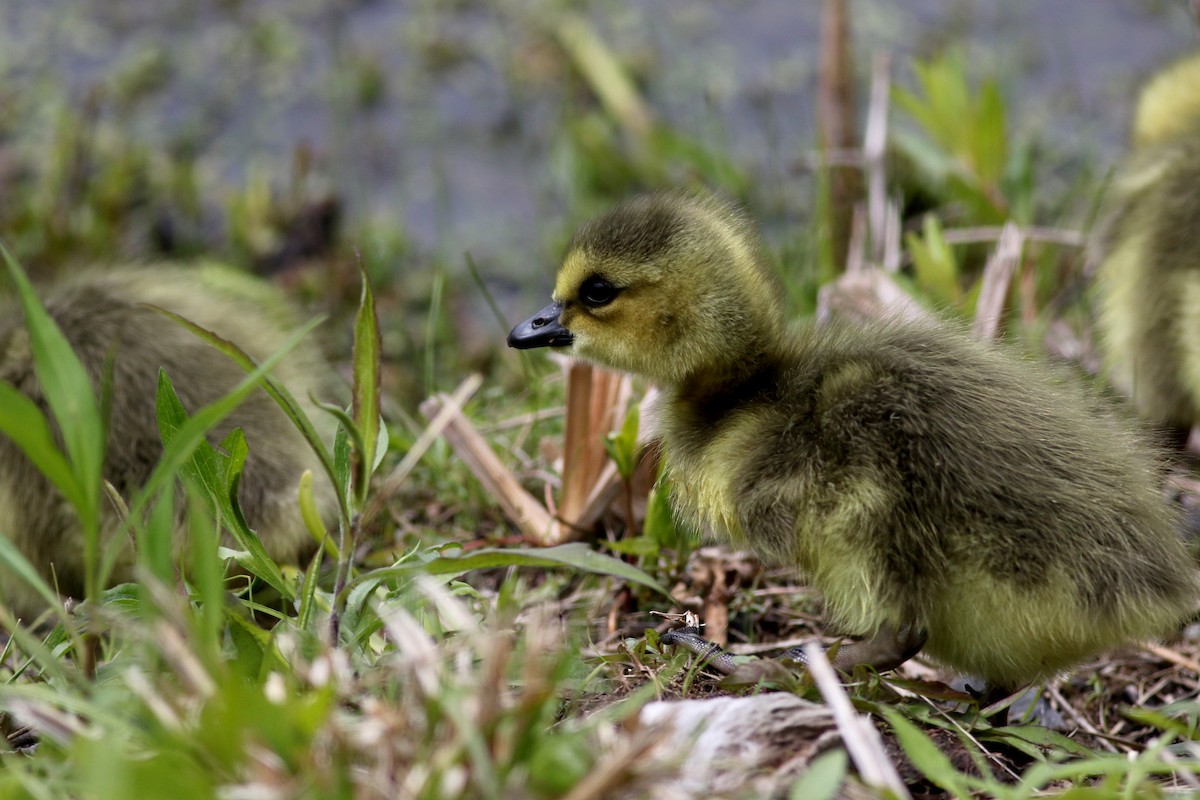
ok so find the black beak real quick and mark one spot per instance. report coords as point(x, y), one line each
point(541, 330)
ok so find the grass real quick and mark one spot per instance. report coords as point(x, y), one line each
point(424, 652)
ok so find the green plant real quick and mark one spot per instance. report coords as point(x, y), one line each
point(963, 142)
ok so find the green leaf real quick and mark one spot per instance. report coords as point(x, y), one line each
point(642, 546)
point(559, 762)
point(277, 391)
point(217, 475)
point(1185, 712)
point(23, 422)
point(341, 460)
point(205, 578)
point(659, 524)
point(990, 134)
point(1042, 737)
point(967, 136)
point(934, 263)
point(311, 516)
point(308, 591)
point(366, 386)
point(156, 541)
point(69, 393)
point(250, 643)
point(926, 756)
point(623, 446)
point(825, 775)
point(257, 561)
point(205, 419)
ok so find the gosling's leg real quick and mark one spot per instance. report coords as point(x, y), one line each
point(887, 649)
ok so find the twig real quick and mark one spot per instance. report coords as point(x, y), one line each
point(892, 252)
point(520, 420)
point(594, 404)
point(971, 737)
point(856, 249)
point(861, 738)
point(991, 233)
point(1180, 771)
point(1167, 654)
point(997, 276)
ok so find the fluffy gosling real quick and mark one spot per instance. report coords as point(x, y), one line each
point(102, 314)
point(941, 493)
point(1149, 256)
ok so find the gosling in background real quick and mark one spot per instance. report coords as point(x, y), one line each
point(100, 314)
point(941, 493)
point(1148, 250)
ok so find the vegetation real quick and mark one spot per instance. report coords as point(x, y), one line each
point(428, 649)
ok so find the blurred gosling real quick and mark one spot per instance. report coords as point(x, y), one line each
point(101, 313)
point(1148, 249)
point(942, 494)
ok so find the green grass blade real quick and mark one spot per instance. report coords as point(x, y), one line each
point(14, 560)
point(308, 591)
point(925, 755)
point(576, 555)
point(205, 579)
point(68, 391)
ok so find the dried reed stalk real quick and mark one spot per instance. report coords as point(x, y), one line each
point(835, 120)
point(596, 401)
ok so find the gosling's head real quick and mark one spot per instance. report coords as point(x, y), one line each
point(670, 286)
point(1169, 105)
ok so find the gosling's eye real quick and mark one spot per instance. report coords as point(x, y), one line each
point(596, 292)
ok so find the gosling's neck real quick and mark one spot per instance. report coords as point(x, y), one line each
point(729, 380)
point(722, 353)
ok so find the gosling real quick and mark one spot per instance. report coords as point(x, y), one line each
point(1149, 257)
point(102, 314)
point(940, 493)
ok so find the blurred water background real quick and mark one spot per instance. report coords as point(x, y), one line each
point(426, 130)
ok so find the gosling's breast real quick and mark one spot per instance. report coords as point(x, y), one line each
point(704, 462)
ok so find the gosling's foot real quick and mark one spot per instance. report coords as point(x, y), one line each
point(887, 649)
